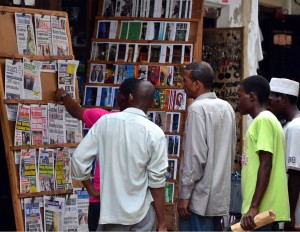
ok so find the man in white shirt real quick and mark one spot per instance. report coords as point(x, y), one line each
point(133, 158)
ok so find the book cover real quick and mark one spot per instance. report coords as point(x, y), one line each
point(170, 31)
point(175, 9)
point(160, 119)
point(169, 192)
point(109, 8)
point(155, 53)
point(176, 145)
point(115, 91)
point(123, 72)
point(107, 29)
point(143, 51)
point(171, 173)
point(131, 52)
point(121, 52)
point(175, 122)
point(188, 54)
point(103, 50)
point(150, 115)
point(126, 8)
point(144, 30)
point(166, 75)
point(156, 99)
point(173, 145)
point(112, 53)
point(142, 72)
point(106, 96)
point(124, 30)
point(182, 31)
point(110, 73)
point(179, 99)
point(177, 56)
point(97, 72)
point(153, 74)
point(178, 76)
point(90, 96)
point(134, 31)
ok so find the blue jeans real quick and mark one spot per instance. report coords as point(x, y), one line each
point(200, 223)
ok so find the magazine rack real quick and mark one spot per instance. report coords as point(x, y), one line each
point(195, 22)
point(9, 50)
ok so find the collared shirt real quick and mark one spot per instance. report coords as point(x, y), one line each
point(133, 157)
point(209, 150)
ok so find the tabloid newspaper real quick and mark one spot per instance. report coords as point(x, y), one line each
point(63, 177)
point(73, 128)
point(67, 75)
point(43, 34)
point(46, 180)
point(22, 128)
point(28, 171)
point(71, 213)
point(49, 66)
point(32, 79)
point(56, 123)
point(83, 208)
point(39, 124)
point(13, 85)
point(32, 215)
point(54, 208)
point(25, 34)
point(60, 45)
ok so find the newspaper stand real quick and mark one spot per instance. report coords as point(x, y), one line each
point(9, 50)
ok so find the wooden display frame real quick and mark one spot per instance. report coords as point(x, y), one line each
point(9, 50)
point(195, 38)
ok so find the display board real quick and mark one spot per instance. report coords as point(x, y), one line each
point(17, 28)
point(151, 40)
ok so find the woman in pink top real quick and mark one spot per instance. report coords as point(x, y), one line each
point(89, 117)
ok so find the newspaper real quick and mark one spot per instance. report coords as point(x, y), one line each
point(39, 124)
point(32, 80)
point(49, 66)
point(63, 177)
point(67, 75)
point(28, 171)
point(25, 34)
point(71, 214)
point(46, 170)
point(13, 85)
point(54, 208)
point(32, 215)
point(73, 129)
point(83, 208)
point(43, 34)
point(22, 128)
point(60, 45)
point(56, 123)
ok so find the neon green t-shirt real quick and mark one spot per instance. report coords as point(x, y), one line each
point(266, 134)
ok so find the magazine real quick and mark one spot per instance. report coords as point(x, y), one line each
point(63, 178)
point(97, 73)
point(104, 96)
point(172, 122)
point(90, 96)
point(83, 208)
point(71, 213)
point(169, 192)
point(32, 79)
point(32, 215)
point(173, 142)
point(25, 34)
point(46, 178)
point(67, 76)
point(22, 127)
point(172, 169)
point(54, 208)
point(60, 45)
point(179, 99)
point(56, 123)
point(73, 128)
point(43, 34)
point(13, 85)
point(107, 29)
point(28, 171)
point(39, 124)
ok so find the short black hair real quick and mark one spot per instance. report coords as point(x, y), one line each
point(129, 86)
point(203, 72)
point(258, 85)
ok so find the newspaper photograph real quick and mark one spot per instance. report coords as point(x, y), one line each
point(63, 178)
point(22, 127)
point(56, 123)
point(54, 208)
point(49, 66)
point(43, 35)
point(32, 215)
point(32, 79)
point(25, 34)
point(71, 214)
point(46, 180)
point(73, 128)
point(39, 124)
point(67, 75)
point(60, 45)
point(83, 208)
point(13, 85)
point(28, 171)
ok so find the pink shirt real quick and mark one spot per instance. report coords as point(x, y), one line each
point(90, 116)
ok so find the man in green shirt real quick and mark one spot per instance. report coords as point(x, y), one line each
point(264, 184)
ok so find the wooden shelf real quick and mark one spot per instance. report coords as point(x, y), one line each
point(135, 63)
point(46, 193)
point(27, 101)
point(45, 146)
point(148, 19)
point(141, 41)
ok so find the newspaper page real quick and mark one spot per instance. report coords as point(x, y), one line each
point(71, 213)
point(25, 34)
point(39, 124)
point(49, 66)
point(46, 180)
point(13, 85)
point(60, 45)
point(83, 208)
point(54, 208)
point(56, 123)
point(63, 177)
point(73, 129)
point(22, 128)
point(43, 35)
point(67, 75)
point(32, 215)
point(32, 79)
point(28, 171)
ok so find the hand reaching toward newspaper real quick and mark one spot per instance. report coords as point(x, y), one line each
point(60, 94)
point(247, 221)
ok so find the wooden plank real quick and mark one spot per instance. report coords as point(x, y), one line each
point(46, 146)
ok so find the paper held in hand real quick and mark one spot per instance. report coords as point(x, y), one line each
point(260, 220)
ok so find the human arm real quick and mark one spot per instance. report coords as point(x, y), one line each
point(263, 176)
point(90, 188)
point(71, 106)
point(158, 197)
